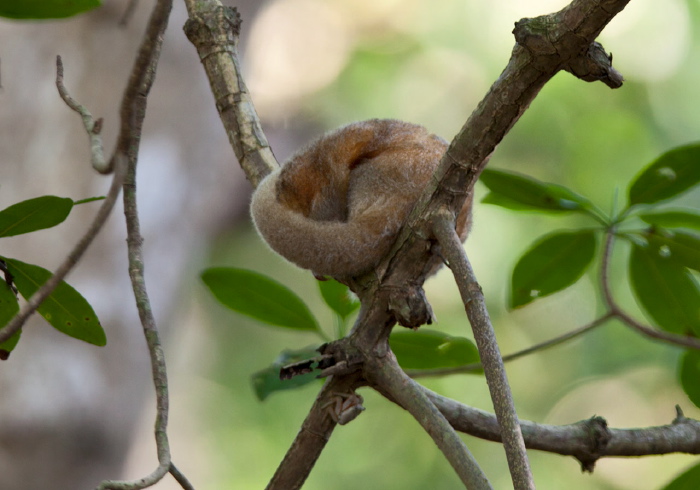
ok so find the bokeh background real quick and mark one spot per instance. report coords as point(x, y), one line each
point(72, 414)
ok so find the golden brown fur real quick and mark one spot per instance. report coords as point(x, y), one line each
point(338, 204)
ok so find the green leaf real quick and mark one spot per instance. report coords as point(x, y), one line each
point(550, 265)
point(45, 9)
point(673, 218)
point(681, 247)
point(259, 297)
point(666, 291)
point(690, 479)
point(34, 214)
point(689, 374)
point(268, 380)
point(65, 309)
point(671, 174)
point(338, 297)
point(431, 349)
point(8, 309)
point(522, 193)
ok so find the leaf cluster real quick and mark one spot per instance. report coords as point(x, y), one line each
point(65, 309)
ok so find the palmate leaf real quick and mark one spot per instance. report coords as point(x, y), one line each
point(259, 297)
point(671, 174)
point(45, 9)
point(522, 193)
point(65, 309)
point(553, 263)
point(666, 291)
point(34, 214)
point(432, 349)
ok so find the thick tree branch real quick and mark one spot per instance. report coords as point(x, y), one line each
point(214, 30)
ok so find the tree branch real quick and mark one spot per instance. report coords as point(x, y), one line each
point(496, 378)
point(133, 111)
point(587, 441)
point(214, 31)
point(386, 375)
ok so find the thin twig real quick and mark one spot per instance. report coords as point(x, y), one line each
point(180, 478)
point(133, 107)
point(132, 114)
point(476, 366)
point(496, 378)
point(619, 313)
point(92, 128)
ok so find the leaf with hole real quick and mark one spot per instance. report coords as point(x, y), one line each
point(34, 214)
point(45, 9)
point(665, 290)
point(259, 297)
point(8, 309)
point(65, 309)
point(338, 297)
point(689, 375)
point(673, 218)
point(553, 263)
point(432, 349)
point(681, 247)
point(668, 176)
point(522, 193)
point(267, 381)
point(688, 480)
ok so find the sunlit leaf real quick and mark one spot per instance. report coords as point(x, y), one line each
point(523, 193)
point(673, 218)
point(679, 246)
point(8, 309)
point(34, 214)
point(338, 297)
point(689, 374)
point(45, 9)
point(259, 297)
point(431, 349)
point(267, 381)
point(65, 309)
point(667, 292)
point(671, 174)
point(688, 480)
point(553, 263)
